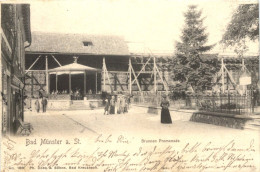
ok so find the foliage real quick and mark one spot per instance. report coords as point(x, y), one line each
point(243, 25)
point(189, 68)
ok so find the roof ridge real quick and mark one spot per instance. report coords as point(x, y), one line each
point(86, 34)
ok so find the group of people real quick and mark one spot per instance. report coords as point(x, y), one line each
point(59, 92)
point(41, 103)
point(117, 104)
point(121, 103)
point(76, 95)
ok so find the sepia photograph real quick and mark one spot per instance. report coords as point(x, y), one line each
point(130, 86)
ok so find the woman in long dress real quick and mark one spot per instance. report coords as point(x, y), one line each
point(165, 114)
point(37, 105)
point(112, 105)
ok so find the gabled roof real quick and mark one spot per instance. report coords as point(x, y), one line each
point(73, 44)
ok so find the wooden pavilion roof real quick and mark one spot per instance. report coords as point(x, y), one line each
point(74, 67)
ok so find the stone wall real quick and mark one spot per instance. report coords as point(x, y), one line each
point(226, 120)
point(61, 105)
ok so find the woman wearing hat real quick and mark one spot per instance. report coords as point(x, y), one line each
point(165, 114)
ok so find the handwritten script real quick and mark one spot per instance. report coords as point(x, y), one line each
point(108, 154)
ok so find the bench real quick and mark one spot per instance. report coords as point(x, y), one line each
point(25, 128)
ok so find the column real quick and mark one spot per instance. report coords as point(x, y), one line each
point(46, 73)
point(48, 82)
point(69, 82)
point(96, 82)
point(130, 76)
point(223, 75)
point(56, 81)
point(85, 87)
point(104, 74)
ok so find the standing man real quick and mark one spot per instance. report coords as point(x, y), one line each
point(44, 104)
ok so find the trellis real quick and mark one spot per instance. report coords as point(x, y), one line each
point(229, 77)
point(133, 75)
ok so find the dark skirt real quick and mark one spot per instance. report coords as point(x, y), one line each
point(165, 116)
point(106, 107)
point(112, 109)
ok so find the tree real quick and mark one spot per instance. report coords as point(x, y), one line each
point(243, 25)
point(189, 68)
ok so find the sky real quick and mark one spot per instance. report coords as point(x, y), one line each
point(147, 25)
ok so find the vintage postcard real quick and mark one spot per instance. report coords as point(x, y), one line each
point(130, 86)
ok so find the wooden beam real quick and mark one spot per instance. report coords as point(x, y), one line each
point(136, 80)
point(41, 85)
point(130, 76)
point(69, 82)
point(154, 75)
point(34, 71)
point(117, 80)
point(104, 74)
point(128, 72)
point(38, 83)
point(32, 84)
point(144, 83)
point(56, 60)
point(48, 84)
point(230, 77)
point(141, 69)
point(104, 68)
point(96, 82)
point(222, 73)
point(165, 86)
point(115, 83)
point(5, 39)
point(33, 64)
point(109, 82)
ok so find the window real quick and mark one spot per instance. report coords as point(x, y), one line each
point(87, 43)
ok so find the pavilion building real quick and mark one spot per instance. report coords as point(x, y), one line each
point(89, 64)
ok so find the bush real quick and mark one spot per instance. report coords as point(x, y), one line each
point(230, 106)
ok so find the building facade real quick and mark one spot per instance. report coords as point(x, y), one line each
point(15, 37)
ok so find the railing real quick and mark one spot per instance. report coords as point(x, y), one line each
point(225, 103)
point(72, 97)
point(148, 97)
point(221, 103)
point(59, 97)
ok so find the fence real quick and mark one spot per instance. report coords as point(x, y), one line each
point(221, 103)
point(148, 98)
point(225, 103)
